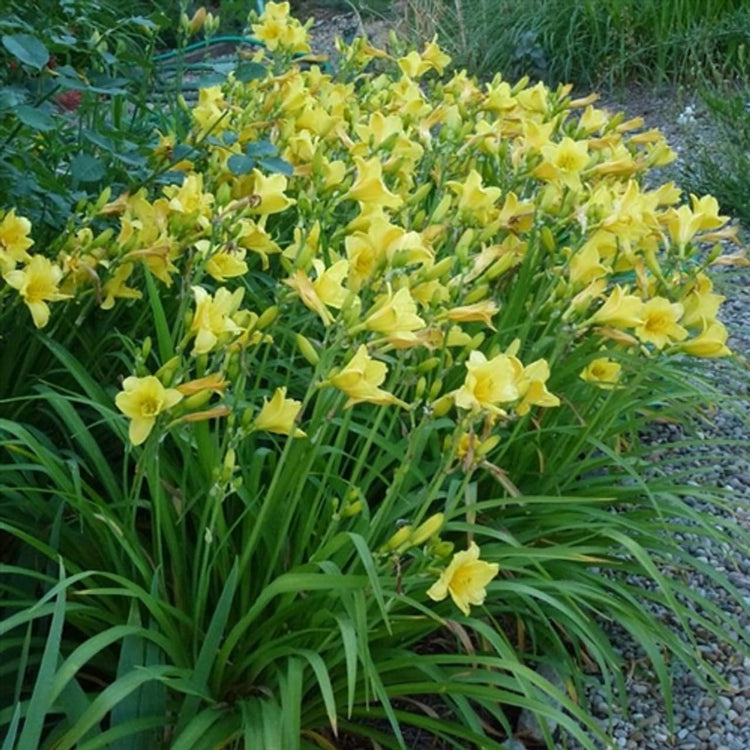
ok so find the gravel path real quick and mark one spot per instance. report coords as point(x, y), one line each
point(702, 722)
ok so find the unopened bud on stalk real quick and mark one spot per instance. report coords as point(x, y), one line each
point(307, 350)
point(223, 194)
point(442, 406)
point(398, 539)
point(195, 24)
point(428, 364)
point(420, 387)
point(267, 317)
point(168, 370)
point(476, 341)
point(477, 294)
point(435, 389)
point(146, 347)
point(443, 267)
point(427, 530)
point(417, 221)
point(211, 25)
point(230, 460)
point(197, 400)
point(442, 549)
point(442, 208)
point(462, 246)
point(548, 239)
point(352, 509)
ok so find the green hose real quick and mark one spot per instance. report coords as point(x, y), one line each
point(207, 43)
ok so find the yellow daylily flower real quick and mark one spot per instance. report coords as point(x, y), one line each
point(14, 241)
point(620, 310)
point(116, 287)
point(360, 380)
point(489, 382)
point(369, 187)
point(563, 162)
point(585, 265)
point(323, 292)
point(279, 415)
point(465, 579)
point(142, 400)
point(533, 389)
point(709, 343)
point(263, 195)
point(659, 324)
point(213, 383)
point(210, 110)
point(602, 372)
point(253, 236)
point(278, 30)
point(474, 198)
point(435, 56)
point(37, 283)
point(701, 305)
point(212, 317)
point(189, 197)
point(482, 311)
point(394, 315)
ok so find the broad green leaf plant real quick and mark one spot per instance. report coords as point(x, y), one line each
point(338, 437)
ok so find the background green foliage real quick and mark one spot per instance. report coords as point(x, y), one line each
point(720, 161)
point(124, 623)
point(592, 42)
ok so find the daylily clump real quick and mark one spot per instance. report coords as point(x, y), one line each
point(429, 245)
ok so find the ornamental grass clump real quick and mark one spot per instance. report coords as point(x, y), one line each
point(338, 435)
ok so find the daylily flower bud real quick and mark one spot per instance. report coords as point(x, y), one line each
point(267, 317)
point(426, 530)
point(398, 539)
point(428, 364)
point(442, 406)
point(307, 350)
point(435, 388)
point(442, 549)
point(167, 371)
point(442, 208)
point(228, 465)
point(353, 509)
point(443, 267)
point(548, 239)
point(462, 246)
point(195, 24)
point(197, 400)
point(477, 294)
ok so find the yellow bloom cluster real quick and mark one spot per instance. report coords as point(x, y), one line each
point(411, 206)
